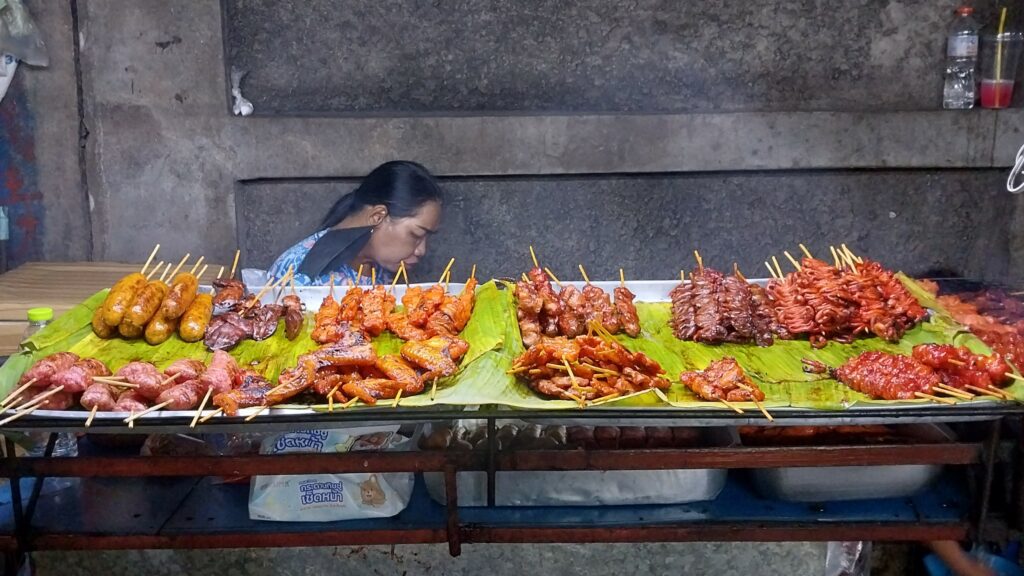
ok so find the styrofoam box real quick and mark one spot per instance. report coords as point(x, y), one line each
point(590, 488)
point(831, 483)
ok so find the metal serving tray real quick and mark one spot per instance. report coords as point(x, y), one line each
point(590, 488)
point(833, 483)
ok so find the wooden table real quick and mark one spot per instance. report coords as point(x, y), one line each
point(57, 285)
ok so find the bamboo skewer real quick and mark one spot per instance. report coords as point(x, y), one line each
point(199, 411)
point(732, 406)
point(778, 269)
point(446, 269)
point(805, 251)
point(373, 276)
point(117, 383)
point(15, 393)
point(92, 414)
point(154, 270)
point(553, 277)
point(985, 391)
point(622, 278)
point(533, 255)
point(433, 390)
point(472, 273)
point(949, 401)
point(761, 407)
point(259, 411)
point(791, 259)
point(398, 398)
point(835, 257)
point(359, 275)
point(330, 398)
point(150, 259)
point(772, 270)
point(131, 419)
point(197, 264)
point(19, 414)
point(584, 273)
point(220, 272)
point(211, 415)
point(40, 398)
point(203, 271)
point(153, 408)
point(163, 277)
point(1002, 392)
point(275, 284)
point(234, 264)
point(398, 274)
point(31, 405)
point(181, 263)
point(953, 392)
point(350, 403)
point(850, 253)
point(700, 261)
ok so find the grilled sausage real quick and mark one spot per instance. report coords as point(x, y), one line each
point(196, 318)
point(120, 298)
point(159, 330)
point(99, 327)
point(143, 308)
point(180, 296)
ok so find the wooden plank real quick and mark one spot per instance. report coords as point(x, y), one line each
point(60, 285)
point(10, 336)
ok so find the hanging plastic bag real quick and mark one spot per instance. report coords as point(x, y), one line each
point(19, 35)
point(8, 65)
point(330, 497)
point(848, 559)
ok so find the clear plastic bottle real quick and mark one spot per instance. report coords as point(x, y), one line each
point(67, 444)
point(38, 318)
point(961, 61)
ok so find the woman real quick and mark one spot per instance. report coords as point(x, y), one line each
point(384, 222)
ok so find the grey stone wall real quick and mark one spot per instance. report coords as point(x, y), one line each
point(322, 56)
point(914, 220)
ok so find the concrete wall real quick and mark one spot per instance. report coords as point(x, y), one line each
point(915, 220)
point(164, 157)
point(322, 56)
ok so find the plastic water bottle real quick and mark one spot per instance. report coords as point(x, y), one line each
point(961, 61)
point(38, 318)
point(67, 443)
point(66, 447)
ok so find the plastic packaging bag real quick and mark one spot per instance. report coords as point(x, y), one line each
point(330, 497)
point(19, 35)
point(848, 559)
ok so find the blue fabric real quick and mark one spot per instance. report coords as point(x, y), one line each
point(294, 256)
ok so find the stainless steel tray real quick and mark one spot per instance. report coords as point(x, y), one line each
point(590, 488)
point(832, 483)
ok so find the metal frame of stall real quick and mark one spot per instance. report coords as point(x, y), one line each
point(456, 530)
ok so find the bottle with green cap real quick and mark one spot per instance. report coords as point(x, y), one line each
point(38, 318)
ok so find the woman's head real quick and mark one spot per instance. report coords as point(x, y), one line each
point(402, 202)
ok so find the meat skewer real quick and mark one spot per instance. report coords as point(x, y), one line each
point(885, 376)
point(587, 369)
point(725, 381)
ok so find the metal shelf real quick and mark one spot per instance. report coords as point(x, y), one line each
point(187, 513)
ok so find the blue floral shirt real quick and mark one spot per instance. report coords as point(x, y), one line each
point(294, 256)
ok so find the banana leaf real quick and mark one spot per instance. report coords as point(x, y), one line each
point(776, 369)
point(73, 332)
point(58, 336)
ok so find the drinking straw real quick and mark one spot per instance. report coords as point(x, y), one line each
point(999, 44)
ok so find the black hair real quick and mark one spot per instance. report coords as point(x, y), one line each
point(400, 185)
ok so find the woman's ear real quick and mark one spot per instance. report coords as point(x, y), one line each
point(378, 214)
